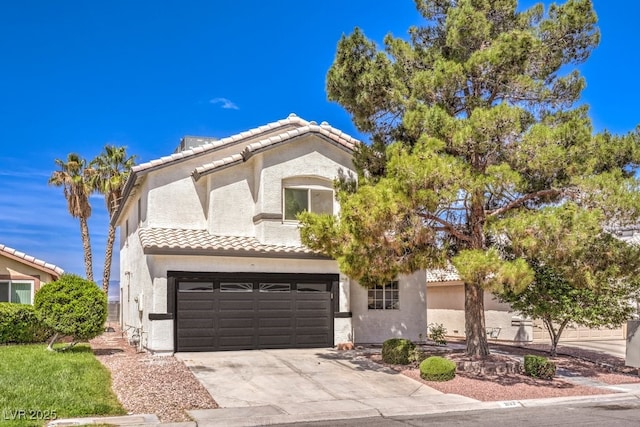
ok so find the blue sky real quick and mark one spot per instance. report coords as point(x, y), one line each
point(77, 75)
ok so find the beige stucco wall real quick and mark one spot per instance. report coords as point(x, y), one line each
point(445, 305)
point(11, 269)
point(409, 321)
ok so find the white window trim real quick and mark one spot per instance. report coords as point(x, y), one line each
point(20, 281)
point(384, 305)
point(309, 189)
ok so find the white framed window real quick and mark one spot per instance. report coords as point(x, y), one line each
point(384, 297)
point(16, 291)
point(297, 199)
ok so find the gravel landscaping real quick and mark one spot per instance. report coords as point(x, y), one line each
point(596, 367)
point(147, 384)
point(162, 385)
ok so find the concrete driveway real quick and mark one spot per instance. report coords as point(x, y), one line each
point(273, 385)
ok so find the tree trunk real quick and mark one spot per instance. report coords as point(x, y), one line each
point(108, 256)
point(554, 335)
point(86, 245)
point(474, 325)
point(54, 338)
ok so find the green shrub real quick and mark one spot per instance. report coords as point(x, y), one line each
point(397, 351)
point(72, 306)
point(436, 368)
point(20, 325)
point(539, 367)
point(437, 333)
point(416, 356)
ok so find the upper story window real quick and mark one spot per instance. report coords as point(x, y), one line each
point(20, 292)
point(299, 199)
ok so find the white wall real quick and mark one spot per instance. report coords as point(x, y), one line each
point(223, 202)
point(158, 334)
point(409, 321)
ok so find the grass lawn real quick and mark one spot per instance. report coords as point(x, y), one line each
point(37, 385)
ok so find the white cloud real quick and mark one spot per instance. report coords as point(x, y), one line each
point(225, 103)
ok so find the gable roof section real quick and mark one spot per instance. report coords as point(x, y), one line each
point(323, 130)
point(291, 128)
point(448, 274)
point(162, 241)
point(23, 258)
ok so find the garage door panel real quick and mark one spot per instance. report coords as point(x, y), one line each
point(236, 323)
point(192, 333)
point(275, 322)
point(196, 323)
point(311, 305)
point(236, 305)
point(272, 314)
point(236, 341)
point(195, 305)
point(275, 305)
point(302, 322)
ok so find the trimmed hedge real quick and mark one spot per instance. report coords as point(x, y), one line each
point(539, 367)
point(397, 351)
point(72, 306)
point(436, 368)
point(20, 325)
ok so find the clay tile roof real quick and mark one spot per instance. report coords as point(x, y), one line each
point(54, 270)
point(291, 120)
point(164, 240)
point(339, 137)
point(300, 125)
point(448, 274)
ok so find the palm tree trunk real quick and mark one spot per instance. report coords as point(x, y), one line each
point(108, 256)
point(86, 245)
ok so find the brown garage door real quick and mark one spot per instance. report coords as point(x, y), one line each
point(253, 311)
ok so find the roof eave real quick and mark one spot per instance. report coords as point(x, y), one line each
point(232, 253)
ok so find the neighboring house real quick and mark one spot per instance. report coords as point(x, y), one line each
point(445, 305)
point(210, 252)
point(21, 275)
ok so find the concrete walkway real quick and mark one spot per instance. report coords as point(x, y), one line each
point(616, 348)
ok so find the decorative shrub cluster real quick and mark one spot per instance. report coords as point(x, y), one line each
point(539, 367)
point(436, 368)
point(397, 351)
point(20, 325)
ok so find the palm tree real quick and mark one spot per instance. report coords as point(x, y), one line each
point(110, 171)
point(73, 177)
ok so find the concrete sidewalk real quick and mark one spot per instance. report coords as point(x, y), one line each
point(615, 348)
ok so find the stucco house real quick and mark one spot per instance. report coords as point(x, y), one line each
point(21, 275)
point(210, 251)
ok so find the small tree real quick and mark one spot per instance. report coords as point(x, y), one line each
point(73, 307)
point(583, 275)
point(558, 303)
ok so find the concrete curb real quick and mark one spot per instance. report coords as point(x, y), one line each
point(265, 415)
